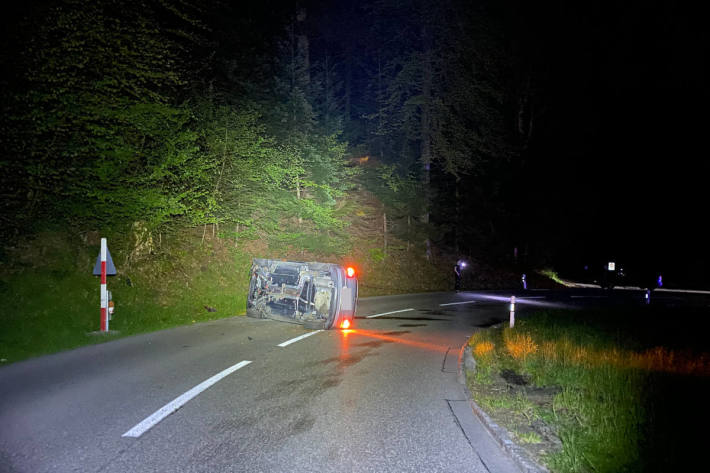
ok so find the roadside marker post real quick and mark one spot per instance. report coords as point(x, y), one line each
point(104, 267)
point(512, 311)
point(104, 292)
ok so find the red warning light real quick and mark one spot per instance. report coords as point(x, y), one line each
point(350, 271)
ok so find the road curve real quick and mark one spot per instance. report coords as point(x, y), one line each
point(382, 397)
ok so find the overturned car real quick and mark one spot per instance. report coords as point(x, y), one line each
point(317, 295)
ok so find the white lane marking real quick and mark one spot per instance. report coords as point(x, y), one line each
point(387, 313)
point(457, 303)
point(180, 401)
point(294, 340)
point(687, 291)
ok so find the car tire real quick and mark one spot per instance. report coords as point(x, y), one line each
point(253, 313)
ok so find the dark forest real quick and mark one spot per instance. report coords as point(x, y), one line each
point(570, 132)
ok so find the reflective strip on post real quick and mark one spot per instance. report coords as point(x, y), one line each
point(104, 292)
point(512, 311)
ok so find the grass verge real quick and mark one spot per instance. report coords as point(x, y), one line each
point(599, 391)
point(50, 300)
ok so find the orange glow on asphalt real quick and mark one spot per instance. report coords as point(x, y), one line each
point(398, 340)
point(345, 345)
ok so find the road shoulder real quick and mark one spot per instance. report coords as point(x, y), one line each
point(521, 458)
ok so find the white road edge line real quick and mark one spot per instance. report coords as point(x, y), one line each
point(387, 313)
point(457, 303)
point(180, 401)
point(687, 291)
point(294, 340)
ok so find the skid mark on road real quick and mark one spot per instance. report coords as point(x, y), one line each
point(437, 312)
point(396, 332)
point(372, 343)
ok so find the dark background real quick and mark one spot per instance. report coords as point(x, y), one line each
point(611, 164)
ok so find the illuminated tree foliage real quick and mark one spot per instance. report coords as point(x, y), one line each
point(110, 123)
point(233, 115)
point(436, 105)
point(94, 131)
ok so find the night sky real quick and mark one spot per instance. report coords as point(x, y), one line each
point(615, 167)
point(624, 134)
point(619, 141)
point(616, 110)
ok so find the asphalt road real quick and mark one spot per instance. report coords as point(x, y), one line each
point(382, 397)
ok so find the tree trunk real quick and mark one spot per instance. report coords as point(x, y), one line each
point(409, 226)
point(298, 196)
point(380, 106)
point(426, 145)
point(457, 221)
point(304, 74)
point(384, 232)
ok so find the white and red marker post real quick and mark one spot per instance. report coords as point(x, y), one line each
point(104, 291)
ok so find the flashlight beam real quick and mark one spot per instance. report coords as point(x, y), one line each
point(457, 303)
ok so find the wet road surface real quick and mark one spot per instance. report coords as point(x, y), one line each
point(381, 397)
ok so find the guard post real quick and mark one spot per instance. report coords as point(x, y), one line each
point(104, 267)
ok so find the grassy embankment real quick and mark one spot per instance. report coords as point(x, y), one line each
point(622, 391)
point(49, 300)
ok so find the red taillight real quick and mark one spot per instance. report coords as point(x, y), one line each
point(350, 271)
point(345, 324)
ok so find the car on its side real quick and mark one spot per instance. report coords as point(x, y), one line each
point(316, 295)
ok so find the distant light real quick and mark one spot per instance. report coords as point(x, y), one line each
point(345, 324)
point(350, 271)
point(660, 281)
point(611, 266)
point(463, 264)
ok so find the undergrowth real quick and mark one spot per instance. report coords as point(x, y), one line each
point(627, 387)
point(50, 299)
